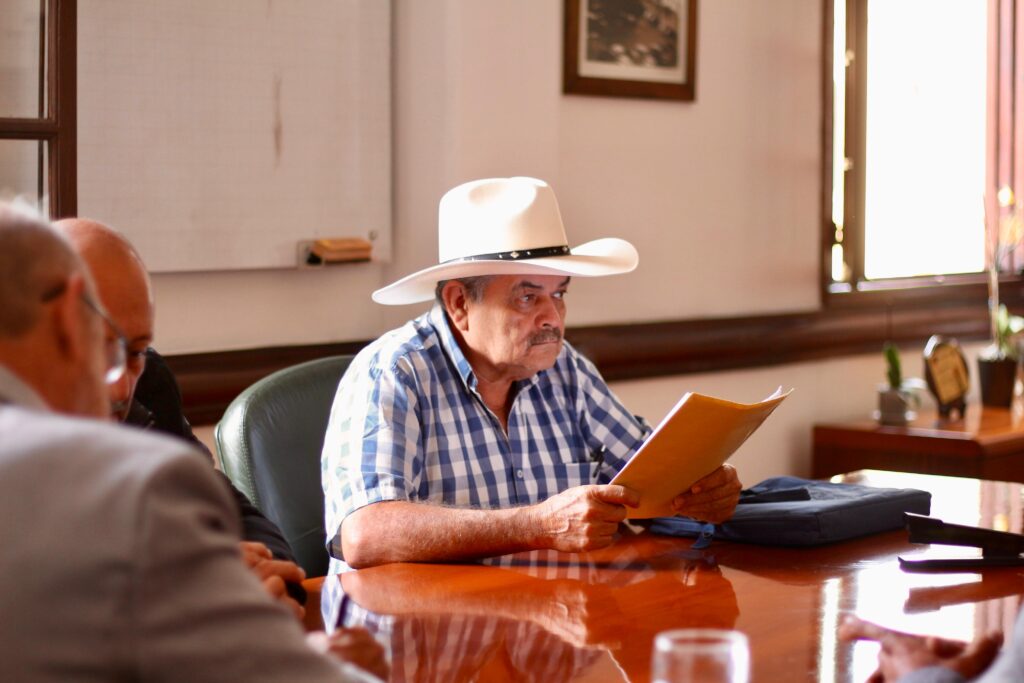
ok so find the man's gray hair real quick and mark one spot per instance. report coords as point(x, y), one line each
point(34, 261)
point(474, 287)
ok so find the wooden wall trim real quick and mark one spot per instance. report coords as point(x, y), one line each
point(210, 381)
point(624, 352)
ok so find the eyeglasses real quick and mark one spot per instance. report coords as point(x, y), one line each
point(117, 347)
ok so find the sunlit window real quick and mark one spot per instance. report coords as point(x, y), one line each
point(925, 138)
point(915, 136)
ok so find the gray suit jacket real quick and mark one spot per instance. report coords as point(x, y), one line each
point(120, 562)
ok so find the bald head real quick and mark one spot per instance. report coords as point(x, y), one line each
point(125, 290)
point(115, 265)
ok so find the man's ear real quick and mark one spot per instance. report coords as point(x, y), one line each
point(69, 325)
point(456, 304)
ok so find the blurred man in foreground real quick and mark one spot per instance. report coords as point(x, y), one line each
point(121, 548)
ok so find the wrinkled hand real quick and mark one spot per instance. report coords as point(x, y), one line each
point(583, 517)
point(273, 574)
point(902, 652)
point(355, 646)
point(712, 498)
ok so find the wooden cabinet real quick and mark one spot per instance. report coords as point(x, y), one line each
point(987, 444)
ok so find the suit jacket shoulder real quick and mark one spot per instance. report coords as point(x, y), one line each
point(121, 552)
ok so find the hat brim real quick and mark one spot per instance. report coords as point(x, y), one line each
point(608, 256)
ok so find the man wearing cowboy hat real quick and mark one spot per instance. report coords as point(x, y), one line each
point(475, 429)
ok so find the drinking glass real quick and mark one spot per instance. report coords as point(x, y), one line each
point(701, 655)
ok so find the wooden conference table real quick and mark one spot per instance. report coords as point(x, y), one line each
point(546, 616)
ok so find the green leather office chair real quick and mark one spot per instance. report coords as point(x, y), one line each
point(269, 442)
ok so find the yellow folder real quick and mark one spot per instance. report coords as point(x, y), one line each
point(695, 438)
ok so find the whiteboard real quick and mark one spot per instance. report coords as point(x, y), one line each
point(218, 134)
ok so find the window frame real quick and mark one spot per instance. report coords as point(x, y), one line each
point(1004, 166)
point(58, 128)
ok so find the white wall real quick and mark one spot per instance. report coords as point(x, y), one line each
point(720, 196)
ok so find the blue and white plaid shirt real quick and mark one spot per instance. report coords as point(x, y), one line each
point(408, 424)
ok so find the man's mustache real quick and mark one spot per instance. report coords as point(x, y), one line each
point(546, 335)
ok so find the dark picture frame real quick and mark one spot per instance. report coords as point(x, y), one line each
point(631, 48)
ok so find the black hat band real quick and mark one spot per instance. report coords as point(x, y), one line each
point(518, 255)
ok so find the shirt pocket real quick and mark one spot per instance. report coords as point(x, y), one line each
point(582, 455)
point(577, 473)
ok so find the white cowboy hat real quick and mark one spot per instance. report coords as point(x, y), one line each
point(504, 226)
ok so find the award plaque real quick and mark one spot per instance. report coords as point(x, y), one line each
point(945, 371)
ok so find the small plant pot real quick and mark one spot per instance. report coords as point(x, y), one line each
point(996, 376)
point(894, 406)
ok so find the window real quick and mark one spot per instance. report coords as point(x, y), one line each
point(37, 103)
point(921, 132)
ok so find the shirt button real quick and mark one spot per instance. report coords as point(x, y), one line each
point(519, 473)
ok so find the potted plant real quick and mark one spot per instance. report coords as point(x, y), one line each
point(997, 363)
point(897, 397)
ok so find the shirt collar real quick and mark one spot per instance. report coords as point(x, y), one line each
point(15, 391)
point(439, 321)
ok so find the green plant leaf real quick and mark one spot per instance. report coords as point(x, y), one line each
point(892, 361)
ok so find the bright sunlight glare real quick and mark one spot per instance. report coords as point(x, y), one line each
point(925, 138)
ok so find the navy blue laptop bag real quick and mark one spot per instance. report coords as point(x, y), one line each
point(792, 511)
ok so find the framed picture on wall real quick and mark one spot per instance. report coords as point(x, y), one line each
point(630, 48)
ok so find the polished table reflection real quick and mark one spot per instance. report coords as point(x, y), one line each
point(549, 616)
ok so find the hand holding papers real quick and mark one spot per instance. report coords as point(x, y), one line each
point(694, 439)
